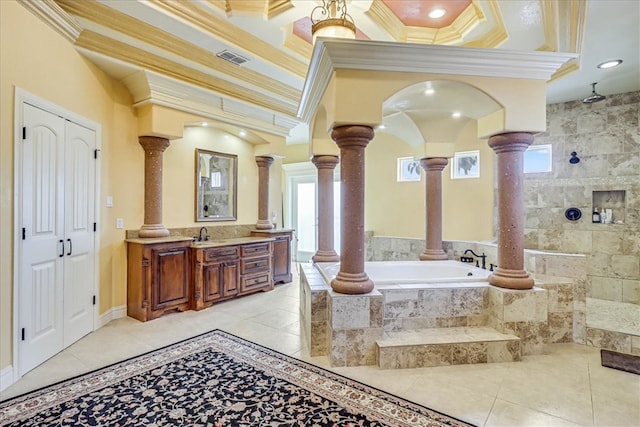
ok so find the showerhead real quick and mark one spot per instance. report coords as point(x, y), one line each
point(594, 97)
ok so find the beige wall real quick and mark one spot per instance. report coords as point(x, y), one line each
point(398, 208)
point(38, 60)
point(467, 204)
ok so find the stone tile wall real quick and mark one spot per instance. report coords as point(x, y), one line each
point(606, 138)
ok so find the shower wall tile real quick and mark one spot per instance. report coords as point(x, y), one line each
point(635, 345)
point(606, 288)
point(606, 136)
point(631, 291)
point(625, 266)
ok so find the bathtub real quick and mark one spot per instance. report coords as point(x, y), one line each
point(412, 272)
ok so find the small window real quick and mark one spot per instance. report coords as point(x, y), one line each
point(537, 159)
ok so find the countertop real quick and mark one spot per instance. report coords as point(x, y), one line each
point(204, 244)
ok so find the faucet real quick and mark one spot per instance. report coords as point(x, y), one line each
point(206, 234)
point(483, 256)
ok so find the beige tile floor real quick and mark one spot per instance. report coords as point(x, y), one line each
point(566, 387)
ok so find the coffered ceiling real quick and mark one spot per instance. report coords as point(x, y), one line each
point(244, 62)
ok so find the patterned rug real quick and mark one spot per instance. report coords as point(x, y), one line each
point(215, 379)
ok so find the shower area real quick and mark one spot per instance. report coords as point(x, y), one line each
point(604, 184)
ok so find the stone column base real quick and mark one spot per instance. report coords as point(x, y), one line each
point(325, 256)
point(433, 255)
point(511, 279)
point(263, 224)
point(153, 230)
point(352, 283)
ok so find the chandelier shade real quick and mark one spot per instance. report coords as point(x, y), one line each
point(332, 20)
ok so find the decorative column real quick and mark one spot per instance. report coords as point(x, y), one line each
point(509, 149)
point(326, 251)
point(153, 150)
point(264, 162)
point(433, 167)
point(352, 140)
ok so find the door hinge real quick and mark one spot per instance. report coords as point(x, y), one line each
point(23, 334)
point(95, 227)
point(94, 300)
point(24, 233)
point(95, 153)
point(24, 132)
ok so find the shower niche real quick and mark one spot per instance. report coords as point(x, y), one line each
point(610, 205)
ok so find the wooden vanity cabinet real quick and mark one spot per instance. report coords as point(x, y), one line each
point(158, 279)
point(281, 259)
point(216, 275)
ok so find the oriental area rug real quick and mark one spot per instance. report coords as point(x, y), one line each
point(215, 379)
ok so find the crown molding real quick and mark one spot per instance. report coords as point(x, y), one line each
point(54, 16)
point(149, 88)
point(124, 24)
point(330, 55)
point(497, 34)
point(218, 27)
point(120, 51)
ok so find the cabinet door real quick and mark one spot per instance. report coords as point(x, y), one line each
point(169, 277)
point(230, 278)
point(211, 282)
point(281, 259)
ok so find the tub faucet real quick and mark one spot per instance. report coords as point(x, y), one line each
point(206, 234)
point(483, 256)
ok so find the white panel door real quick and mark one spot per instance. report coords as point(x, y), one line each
point(41, 287)
point(57, 241)
point(79, 170)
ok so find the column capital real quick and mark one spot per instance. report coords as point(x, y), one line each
point(325, 161)
point(153, 143)
point(352, 135)
point(434, 163)
point(512, 141)
point(264, 161)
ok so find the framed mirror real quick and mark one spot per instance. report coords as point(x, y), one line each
point(216, 178)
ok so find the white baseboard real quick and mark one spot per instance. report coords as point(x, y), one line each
point(6, 377)
point(112, 314)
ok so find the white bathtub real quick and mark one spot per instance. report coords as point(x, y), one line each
point(412, 272)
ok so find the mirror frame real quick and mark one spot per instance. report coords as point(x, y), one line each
point(224, 194)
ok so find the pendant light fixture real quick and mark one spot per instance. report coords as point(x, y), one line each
point(332, 20)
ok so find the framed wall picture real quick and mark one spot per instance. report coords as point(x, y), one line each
point(408, 169)
point(216, 177)
point(466, 164)
point(537, 159)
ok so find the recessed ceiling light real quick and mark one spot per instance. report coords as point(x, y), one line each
point(429, 91)
point(456, 114)
point(610, 64)
point(205, 124)
point(243, 133)
point(437, 13)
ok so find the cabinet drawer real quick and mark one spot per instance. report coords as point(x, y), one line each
point(255, 282)
point(255, 265)
point(256, 249)
point(216, 254)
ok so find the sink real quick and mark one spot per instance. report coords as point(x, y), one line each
point(206, 243)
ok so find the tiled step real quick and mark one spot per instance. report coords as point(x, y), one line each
point(446, 346)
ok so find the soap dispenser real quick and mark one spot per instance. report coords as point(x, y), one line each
point(596, 216)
